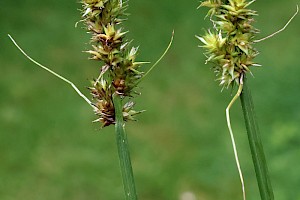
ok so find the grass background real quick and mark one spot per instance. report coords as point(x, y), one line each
point(49, 149)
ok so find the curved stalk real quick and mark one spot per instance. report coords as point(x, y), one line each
point(257, 152)
point(123, 151)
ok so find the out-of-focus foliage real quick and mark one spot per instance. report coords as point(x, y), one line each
point(49, 149)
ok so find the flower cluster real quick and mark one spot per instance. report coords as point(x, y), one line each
point(120, 73)
point(229, 45)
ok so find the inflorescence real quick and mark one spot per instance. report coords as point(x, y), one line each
point(120, 73)
point(229, 45)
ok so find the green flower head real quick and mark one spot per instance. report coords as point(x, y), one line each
point(229, 46)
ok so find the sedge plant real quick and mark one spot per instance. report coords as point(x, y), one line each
point(119, 75)
point(229, 47)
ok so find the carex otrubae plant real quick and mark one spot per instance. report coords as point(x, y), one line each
point(118, 77)
point(229, 47)
point(119, 73)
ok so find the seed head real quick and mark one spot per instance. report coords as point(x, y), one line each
point(120, 73)
point(229, 45)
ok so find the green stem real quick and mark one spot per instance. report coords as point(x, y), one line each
point(123, 151)
point(258, 156)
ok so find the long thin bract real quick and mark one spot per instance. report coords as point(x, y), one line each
point(280, 30)
point(160, 58)
point(52, 72)
point(237, 95)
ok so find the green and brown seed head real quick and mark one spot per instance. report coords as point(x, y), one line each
point(120, 73)
point(229, 45)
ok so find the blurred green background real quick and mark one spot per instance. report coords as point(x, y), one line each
point(49, 148)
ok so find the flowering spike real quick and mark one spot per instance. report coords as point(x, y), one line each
point(229, 47)
point(119, 74)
